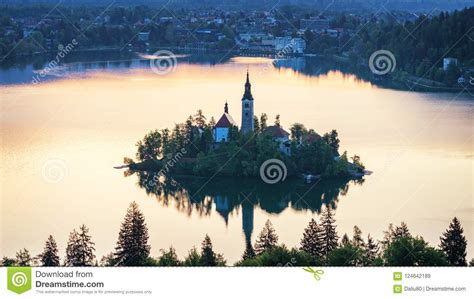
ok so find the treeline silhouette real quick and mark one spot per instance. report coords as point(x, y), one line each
point(320, 245)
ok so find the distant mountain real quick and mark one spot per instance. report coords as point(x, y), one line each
point(367, 5)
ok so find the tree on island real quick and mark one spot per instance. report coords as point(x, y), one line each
point(23, 258)
point(453, 244)
point(149, 148)
point(263, 121)
point(267, 238)
point(132, 246)
point(332, 140)
point(312, 239)
point(49, 257)
point(80, 248)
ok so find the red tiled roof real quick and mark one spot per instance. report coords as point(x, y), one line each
point(276, 131)
point(225, 121)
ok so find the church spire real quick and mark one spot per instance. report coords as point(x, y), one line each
point(226, 107)
point(248, 89)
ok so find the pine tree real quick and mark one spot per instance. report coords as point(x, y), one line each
point(132, 246)
point(345, 240)
point(49, 257)
point(357, 239)
point(453, 243)
point(267, 239)
point(401, 231)
point(208, 256)
point(249, 251)
point(23, 258)
point(311, 242)
point(329, 235)
point(371, 249)
point(80, 248)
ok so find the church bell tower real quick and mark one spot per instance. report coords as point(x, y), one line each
point(247, 108)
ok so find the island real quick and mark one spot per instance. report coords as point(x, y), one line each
point(204, 148)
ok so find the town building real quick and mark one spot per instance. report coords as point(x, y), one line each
point(448, 61)
point(222, 128)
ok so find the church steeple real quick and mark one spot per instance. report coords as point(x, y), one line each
point(247, 108)
point(226, 108)
point(248, 89)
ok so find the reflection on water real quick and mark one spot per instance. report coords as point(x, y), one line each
point(243, 195)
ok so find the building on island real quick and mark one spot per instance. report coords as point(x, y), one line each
point(280, 136)
point(247, 108)
point(222, 128)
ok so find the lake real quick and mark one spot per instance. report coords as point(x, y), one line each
point(61, 138)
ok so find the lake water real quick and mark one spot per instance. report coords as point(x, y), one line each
point(61, 138)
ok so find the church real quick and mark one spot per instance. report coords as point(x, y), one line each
point(222, 128)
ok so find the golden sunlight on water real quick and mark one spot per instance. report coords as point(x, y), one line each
point(419, 146)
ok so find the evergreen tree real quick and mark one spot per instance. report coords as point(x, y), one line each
point(8, 262)
point(200, 119)
point(401, 231)
point(357, 239)
point(453, 243)
point(23, 258)
point(80, 248)
point(263, 121)
point(329, 235)
point(169, 258)
point(267, 238)
point(49, 257)
point(193, 258)
point(249, 251)
point(371, 250)
point(132, 246)
point(345, 240)
point(208, 256)
point(312, 242)
point(256, 124)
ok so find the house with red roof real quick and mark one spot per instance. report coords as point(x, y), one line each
point(221, 130)
point(281, 137)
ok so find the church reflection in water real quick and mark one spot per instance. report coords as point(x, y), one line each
point(242, 195)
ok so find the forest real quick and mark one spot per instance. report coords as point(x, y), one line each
point(320, 245)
